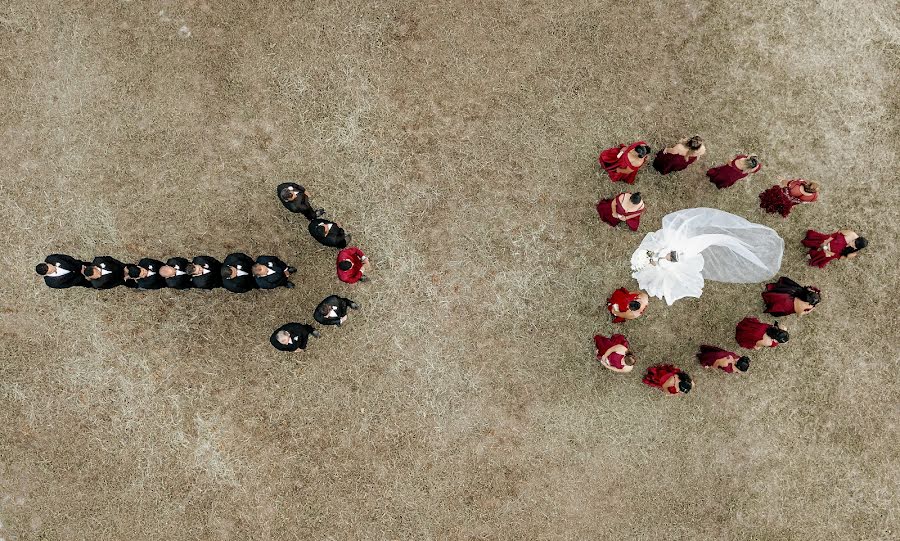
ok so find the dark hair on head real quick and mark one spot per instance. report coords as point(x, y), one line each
point(345, 265)
point(752, 161)
point(635, 198)
point(630, 359)
point(634, 305)
point(695, 142)
point(88, 270)
point(133, 271)
point(779, 335)
point(324, 309)
point(642, 150)
point(41, 268)
point(190, 268)
point(809, 295)
point(225, 272)
point(743, 363)
point(860, 243)
point(285, 192)
point(684, 382)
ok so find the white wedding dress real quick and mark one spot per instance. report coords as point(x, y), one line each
point(708, 244)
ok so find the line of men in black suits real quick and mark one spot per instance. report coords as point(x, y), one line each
point(333, 310)
point(238, 273)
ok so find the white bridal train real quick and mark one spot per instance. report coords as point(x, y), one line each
point(704, 244)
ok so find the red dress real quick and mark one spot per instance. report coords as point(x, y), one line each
point(708, 355)
point(619, 301)
point(354, 255)
point(750, 331)
point(666, 163)
point(659, 374)
point(814, 241)
point(616, 158)
point(724, 176)
point(781, 199)
point(604, 209)
point(615, 359)
point(779, 296)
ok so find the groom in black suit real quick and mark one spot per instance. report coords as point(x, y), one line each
point(61, 271)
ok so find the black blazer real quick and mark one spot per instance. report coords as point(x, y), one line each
point(239, 284)
point(300, 205)
point(336, 237)
point(340, 305)
point(277, 278)
point(154, 281)
point(115, 275)
point(299, 336)
point(179, 281)
point(211, 279)
point(74, 277)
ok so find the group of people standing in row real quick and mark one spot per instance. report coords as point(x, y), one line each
point(237, 273)
point(782, 298)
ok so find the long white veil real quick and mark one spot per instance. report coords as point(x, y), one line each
point(708, 244)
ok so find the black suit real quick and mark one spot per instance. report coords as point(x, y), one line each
point(336, 238)
point(112, 273)
point(244, 264)
point(301, 204)
point(71, 279)
point(179, 281)
point(277, 278)
point(339, 305)
point(211, 279)
point(299, 336)
point(153, 280)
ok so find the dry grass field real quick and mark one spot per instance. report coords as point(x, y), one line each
point(457, 141)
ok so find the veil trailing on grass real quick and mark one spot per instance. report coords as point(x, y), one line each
point(703, 243)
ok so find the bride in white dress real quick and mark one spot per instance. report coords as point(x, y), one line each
point(703, 243)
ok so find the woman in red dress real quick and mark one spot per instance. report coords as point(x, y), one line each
point(741, 166)
point(625, 305)
point(625, 207)
point(727, 361)
point(351, 265)
point(781, 199)
point(752, 333)
point(668, 378)
point(614, 353)
point(679, 156)
point(622, 162)
point(786, 297)
point(825, 248)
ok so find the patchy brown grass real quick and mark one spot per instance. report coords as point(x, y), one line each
point(457, 142)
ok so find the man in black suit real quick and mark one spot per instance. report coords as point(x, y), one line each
point(61, 271)
point(271, 272)
point(145, 274)
point(105, 272)
point(292, 336)
point(328, 233)
point(237, 273)
point(333, 310)
point(205, 272)
point(175, 273)
point(295, 198)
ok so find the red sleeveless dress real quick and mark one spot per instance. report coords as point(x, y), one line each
point(779, 296)
point(604, 209)
point(750, 331)
point(781, 199)
point(354, 255)
point(814, 241)
point(619, 300)
point(657, 376)
point(614, 359)
point(616, 158)
point(708, 355)
point(724, 176)
point(666, 163)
